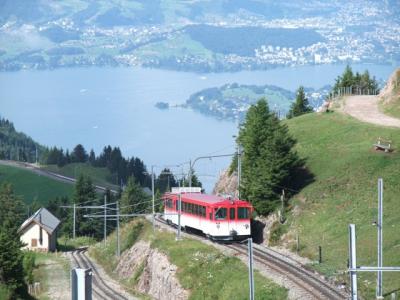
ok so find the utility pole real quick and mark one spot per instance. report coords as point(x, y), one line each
point(239, 169)
point(105, 220)
point(73, 234)
point(152, 192)
point(282, 218)
point(36, 154)
point(379, 225)
point(179, 216)
point(118, 245)
point(251, 273)
point(352, 261)
point(190, 173)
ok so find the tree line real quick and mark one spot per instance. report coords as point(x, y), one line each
point(357, 83)
point(110, 158)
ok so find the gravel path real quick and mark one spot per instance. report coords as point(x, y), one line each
point(365, 108)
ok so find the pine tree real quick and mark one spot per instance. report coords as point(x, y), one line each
point(11, 256)
point(268, 158)
point(300, 106)
point(79, 154)
point(84, 194)
point(134, 199)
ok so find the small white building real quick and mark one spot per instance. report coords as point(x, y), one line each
point(39, 232)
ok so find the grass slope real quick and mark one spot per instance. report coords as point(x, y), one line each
point(202, 269)
point(339, 153)
point(30, 186)
point(99, 176)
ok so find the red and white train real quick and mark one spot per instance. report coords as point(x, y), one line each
point(219, 218)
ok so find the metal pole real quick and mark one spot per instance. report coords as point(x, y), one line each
point(118, 246)
point(380, 233)
point(282, 218)
point(353, 261)
point(105, 219)
point(152, 191)
point(239, 168)
point(74, 226)
point(179, 216)
point(251, 273)
point(190, 173)
point(320, 254)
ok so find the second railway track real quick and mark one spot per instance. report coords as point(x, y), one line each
point(101, 289)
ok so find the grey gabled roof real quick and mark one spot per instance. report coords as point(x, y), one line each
point(44, 218)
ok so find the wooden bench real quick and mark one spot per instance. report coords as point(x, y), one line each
point(384, 145)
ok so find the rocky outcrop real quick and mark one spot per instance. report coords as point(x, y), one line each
point(226, 184)
point(132, 259)
point(391, 91)
point(153, 273)
point(158, 278)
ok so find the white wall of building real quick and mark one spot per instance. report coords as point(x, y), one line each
point(33, 232)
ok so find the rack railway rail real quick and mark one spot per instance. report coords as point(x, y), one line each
point(294, 271)
point(100, 289)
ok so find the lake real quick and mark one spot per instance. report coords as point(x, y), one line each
point(101, 106)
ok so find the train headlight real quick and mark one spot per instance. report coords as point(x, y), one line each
point(218, 225)
point(246, 226)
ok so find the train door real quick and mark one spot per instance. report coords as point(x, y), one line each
point(232, 220)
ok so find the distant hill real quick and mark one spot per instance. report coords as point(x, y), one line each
point(390, 95)
point(16, 145)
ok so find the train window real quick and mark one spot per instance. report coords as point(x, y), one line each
point(210, 216)
point(232, 213)
point(243, 213)
point(196, 209)
point(169, 203)
point(220, 213)
point(203, 211)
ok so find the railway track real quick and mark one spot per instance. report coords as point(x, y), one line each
point(303, 278)
point(101, 289)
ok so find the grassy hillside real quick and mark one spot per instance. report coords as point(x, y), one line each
point(339, 153)
point(99, 176)
point(199, 265)
point(30, 186)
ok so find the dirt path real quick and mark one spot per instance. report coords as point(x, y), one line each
point(56, 277)
point(365, 108)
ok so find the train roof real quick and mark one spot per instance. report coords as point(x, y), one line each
point(210, 199)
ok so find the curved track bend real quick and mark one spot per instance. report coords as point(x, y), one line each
point(100, 289)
